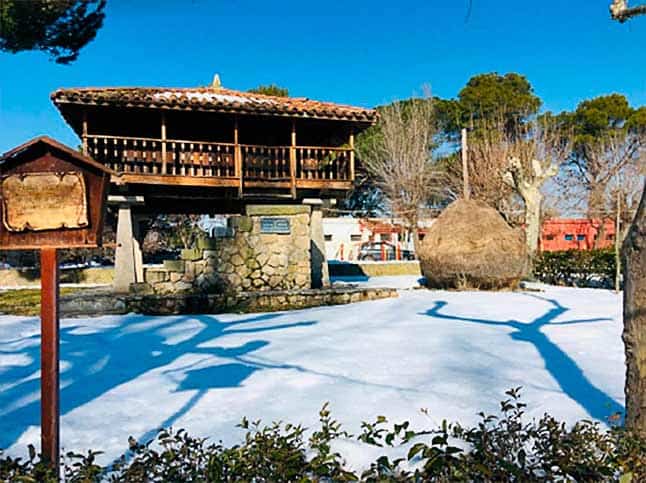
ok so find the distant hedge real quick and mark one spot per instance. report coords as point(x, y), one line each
point(501, 448)
point(581, 268)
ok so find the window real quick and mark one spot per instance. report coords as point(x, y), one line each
point(421, 236)
point(569, 237)
point(327, 237)
point(580, 237)
point(549, 237)
point(355, 237)
point(610, 236)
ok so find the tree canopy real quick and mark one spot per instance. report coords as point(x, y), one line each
point(59, 27)
point(270, 90)
point(597, 118)
point(486, 99)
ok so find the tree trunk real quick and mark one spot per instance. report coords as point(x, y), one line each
point(596, 201)
point(532, 200)
point(634, 335)
point(415, 233)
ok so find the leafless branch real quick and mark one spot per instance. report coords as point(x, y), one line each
point(619, 10)
point(399, 156)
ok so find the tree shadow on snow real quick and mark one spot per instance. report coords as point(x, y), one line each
point(561, 366)
point(97, 360)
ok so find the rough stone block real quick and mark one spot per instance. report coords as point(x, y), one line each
point(241, 224)
point(191, 254)
point(155, 275)
point(237, 260)
point(183, 287)
point(141, 288)
point(174, 265)
point(207, 243)
point(277, 210)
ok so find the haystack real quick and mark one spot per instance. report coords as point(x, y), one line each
point(471, 245)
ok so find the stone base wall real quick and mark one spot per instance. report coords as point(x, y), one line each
point(89, 303)
point(249, 260)
point(250, 302)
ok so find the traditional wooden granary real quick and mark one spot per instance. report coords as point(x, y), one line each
point(196, 145)
point(211, 150)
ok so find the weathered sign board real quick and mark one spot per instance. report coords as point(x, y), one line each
point(44, 201)
point(275, 225)
point(51, 197)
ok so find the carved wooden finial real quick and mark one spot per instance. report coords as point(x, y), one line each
point(216, 84)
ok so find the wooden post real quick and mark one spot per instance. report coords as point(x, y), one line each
point(237, 156)
point(292, 160)
point(163, 143)
point(84, 137)
point(465, 166)
point(49, 356)
point(351, 142)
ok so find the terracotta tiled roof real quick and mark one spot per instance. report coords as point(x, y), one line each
point(214, 99)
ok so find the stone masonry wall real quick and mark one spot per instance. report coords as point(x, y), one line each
point(247, 261)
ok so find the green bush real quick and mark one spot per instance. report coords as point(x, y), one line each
point(499, 448)
point(581, 268)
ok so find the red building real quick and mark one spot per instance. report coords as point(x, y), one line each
point(576, 234)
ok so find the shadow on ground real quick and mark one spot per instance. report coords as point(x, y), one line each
point(95, 361)
point(561, 366)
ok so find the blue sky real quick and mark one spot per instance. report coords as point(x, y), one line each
point(363, 53)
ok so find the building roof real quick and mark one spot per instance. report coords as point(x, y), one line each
point(213, 99)
point(55, 146)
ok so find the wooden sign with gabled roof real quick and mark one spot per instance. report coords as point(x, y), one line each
point(51, 196)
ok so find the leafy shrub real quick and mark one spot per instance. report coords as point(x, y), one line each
point(502, 447)
point(581, 268)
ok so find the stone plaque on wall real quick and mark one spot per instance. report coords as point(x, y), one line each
point(275, 225)
point(44, 201)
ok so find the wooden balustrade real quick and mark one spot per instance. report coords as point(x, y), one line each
point(314, 162)
point(145, 156)
point(220, 160)
point(265, 162)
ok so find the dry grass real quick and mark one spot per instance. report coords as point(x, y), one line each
point(25, 301)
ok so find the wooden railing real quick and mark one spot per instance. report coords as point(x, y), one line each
point(265, 162)
point(314, 162)
point(154, 156)
point(221, 160)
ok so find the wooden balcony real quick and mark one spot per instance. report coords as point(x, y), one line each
point(242, 166)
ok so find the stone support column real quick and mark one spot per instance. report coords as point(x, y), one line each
point(128, 258)
point(318, 258)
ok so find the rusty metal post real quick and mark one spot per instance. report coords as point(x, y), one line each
point(49, 356)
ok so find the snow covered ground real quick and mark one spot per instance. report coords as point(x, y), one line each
point(454, 353)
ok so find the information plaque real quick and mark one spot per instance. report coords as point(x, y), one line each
point(275, 225)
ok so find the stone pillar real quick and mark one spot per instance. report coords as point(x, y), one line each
point(318, 259)
point(128, 259)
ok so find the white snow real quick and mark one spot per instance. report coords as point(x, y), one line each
point(454, 353)
point(212, 97)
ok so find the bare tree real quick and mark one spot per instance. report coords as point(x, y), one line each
point(602, 163)
point(486, 161)
point(506, 165)
point(634, 289)
point(536, 154)
point(619, 10)
point(397, 154)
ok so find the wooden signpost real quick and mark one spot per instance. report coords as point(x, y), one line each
point(51, 197)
